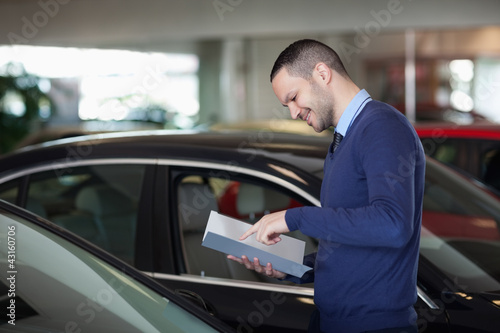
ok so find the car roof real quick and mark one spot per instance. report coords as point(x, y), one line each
point(226, 139)
point(262, 150)
point(302, 154)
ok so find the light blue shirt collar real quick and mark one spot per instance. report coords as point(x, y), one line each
point(352, 111)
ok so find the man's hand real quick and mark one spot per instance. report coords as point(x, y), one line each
point(269, 228)
point(256, 266)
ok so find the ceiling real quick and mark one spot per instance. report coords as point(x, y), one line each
point(161, 24)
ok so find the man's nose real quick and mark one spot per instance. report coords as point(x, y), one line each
point(294, 111)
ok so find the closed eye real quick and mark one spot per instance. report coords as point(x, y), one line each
point(290, 100)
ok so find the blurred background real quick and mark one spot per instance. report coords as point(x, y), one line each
point(76, 66)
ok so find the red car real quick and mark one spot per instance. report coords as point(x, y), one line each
point(474, 148)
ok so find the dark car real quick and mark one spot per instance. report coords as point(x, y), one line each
point(52, 281)
point(473, 148)
point(145, 197)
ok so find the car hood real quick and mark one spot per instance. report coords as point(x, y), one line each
point(492, 296)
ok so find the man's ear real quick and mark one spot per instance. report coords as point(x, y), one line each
point(323, 72)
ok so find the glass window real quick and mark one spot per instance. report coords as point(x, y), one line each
point(490, 164)
point(246, 200)
point(49, 284)
point(98, 203)
point(461, 230)
point(9, 190)
point(444, 150)
point(113, 89)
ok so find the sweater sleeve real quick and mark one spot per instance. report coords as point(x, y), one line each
point(388, 153)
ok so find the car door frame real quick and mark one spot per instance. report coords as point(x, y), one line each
point(144, 255)
point(268, 306)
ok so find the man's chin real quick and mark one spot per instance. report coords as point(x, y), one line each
point(317, 130)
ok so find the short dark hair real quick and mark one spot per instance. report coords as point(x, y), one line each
point(300, 57)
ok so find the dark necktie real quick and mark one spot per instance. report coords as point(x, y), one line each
point(337, 137)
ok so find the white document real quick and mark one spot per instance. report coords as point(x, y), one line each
point(222, 234)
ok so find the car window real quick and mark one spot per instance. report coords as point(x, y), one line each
point(246, 200)
point(49, 284)
point(490, 167)
point(9, 190)
point(461, 230)
point(97, 202)
point(445, 151)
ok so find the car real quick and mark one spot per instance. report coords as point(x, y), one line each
point(292, 126)
point(54, 281)
point(473, 148)
point(145, 197)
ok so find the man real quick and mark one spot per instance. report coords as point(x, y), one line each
point(368, 225)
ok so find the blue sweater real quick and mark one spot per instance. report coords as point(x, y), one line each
point(368, 227)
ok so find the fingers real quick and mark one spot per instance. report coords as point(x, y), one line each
point(243, 260)
point(271, 240)
point(261, 234)
point(235, 258)
point(266, 270)
point(248, 264)
point(255, 265)
point(253, 229)
point(269, 269)
point(265, 238)
point(269, 228)
point(251, 265)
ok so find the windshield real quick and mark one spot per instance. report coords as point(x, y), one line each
point(50, 284)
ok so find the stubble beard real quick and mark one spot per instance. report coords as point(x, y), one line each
point(324, 108)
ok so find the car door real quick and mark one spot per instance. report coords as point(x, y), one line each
point(250, 302)
point(52, 281)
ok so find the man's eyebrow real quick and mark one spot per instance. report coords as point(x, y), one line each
point(287, 98)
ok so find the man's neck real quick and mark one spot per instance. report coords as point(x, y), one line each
point(343, 96)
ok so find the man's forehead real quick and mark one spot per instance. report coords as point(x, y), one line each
point(282, 73)
point(280, 84)
point(277, 81)
point(285, 92)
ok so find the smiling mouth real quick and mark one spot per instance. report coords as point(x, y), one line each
point(308, 116)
